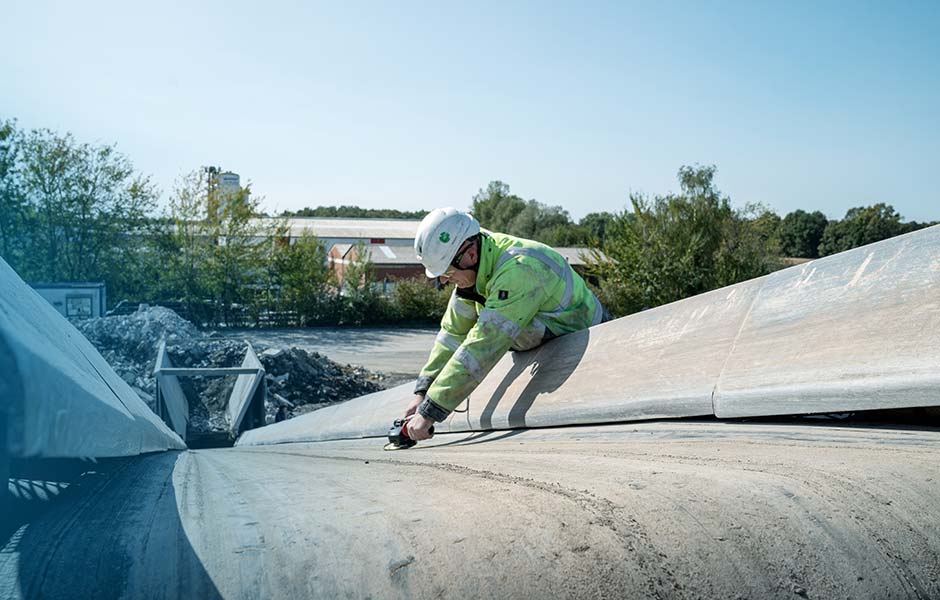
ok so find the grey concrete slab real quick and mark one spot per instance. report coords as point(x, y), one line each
point(367, 416)
point(659, 363)
point(70, 402)
point(854, 331)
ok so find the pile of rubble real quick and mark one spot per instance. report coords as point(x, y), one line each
point(297, 379)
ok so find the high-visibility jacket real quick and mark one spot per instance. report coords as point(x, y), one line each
point(525, 291)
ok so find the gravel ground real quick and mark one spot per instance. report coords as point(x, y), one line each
point(304, 378)
point(398, 354)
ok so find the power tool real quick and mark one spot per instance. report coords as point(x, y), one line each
point(398, 436)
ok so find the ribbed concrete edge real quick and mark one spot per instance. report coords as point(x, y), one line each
point(73, 403)
point(854, 331)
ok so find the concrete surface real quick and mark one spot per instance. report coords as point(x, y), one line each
point(854, 331)
point(648, 510)
point(66, 401)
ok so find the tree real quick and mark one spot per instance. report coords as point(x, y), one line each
point(354, 212)
point(495, 207)
point(800, 233)
point(498, 209)
point(416, 300)
point(14, 210)
point(216, 253)
point(677, 246)
point(88, 205)
point(361, 302)
point(595, 226)
point(862, 225)
point(300, 272)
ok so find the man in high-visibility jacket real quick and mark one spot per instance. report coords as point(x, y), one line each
point(511, 293)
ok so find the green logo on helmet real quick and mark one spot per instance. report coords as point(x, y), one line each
point(445, 237)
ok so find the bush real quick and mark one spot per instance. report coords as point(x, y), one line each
point(678, 246)
point(419, 301)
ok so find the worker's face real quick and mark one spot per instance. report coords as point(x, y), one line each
point(465, 276)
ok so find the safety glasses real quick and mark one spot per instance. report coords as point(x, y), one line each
point(456, 262)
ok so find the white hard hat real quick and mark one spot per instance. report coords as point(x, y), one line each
point(440, 236)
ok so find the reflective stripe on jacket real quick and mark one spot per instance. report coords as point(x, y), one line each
point(527, 286)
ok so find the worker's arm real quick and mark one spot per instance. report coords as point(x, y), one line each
point(516, 296)
point(458, 319)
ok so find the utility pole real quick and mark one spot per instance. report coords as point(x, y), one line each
point(212, 192)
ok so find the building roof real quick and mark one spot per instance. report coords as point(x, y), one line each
point(341, 249)
point(574, 255)
point(398, 229)
point(387, 254)
point(67, 284)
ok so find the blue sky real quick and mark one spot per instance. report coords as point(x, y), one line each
point(812, 105)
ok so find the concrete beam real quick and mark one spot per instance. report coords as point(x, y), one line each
point(207, 372)
point(245, 391)
point(70, 403)
point(170, 396)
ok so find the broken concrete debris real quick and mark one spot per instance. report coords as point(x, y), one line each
point(304, 380)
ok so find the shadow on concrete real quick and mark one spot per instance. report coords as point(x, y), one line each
point(481, 437)
point(550, 365)
point(115, 532)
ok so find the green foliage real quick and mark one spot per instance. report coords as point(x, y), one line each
point(595, 226)
point(73, 211)
point(800, 233)
point(677, 246)
point(354, 212)
point(861, 225)
point(14, 210)
point(498, 209)
point(363, 302)
point(218, 258)
point(299, 271)
point(419, 301)
point(75, 208)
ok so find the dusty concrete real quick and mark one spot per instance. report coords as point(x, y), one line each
point(399, 353)
point(661, 510)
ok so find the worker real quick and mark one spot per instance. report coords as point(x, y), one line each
point(510, 294)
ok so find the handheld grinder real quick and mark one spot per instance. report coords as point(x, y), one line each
point(398, 438)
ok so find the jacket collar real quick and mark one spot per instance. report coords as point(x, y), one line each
point(489, 254)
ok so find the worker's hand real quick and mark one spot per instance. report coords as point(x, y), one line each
point(413, 407)
point(418, 427)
